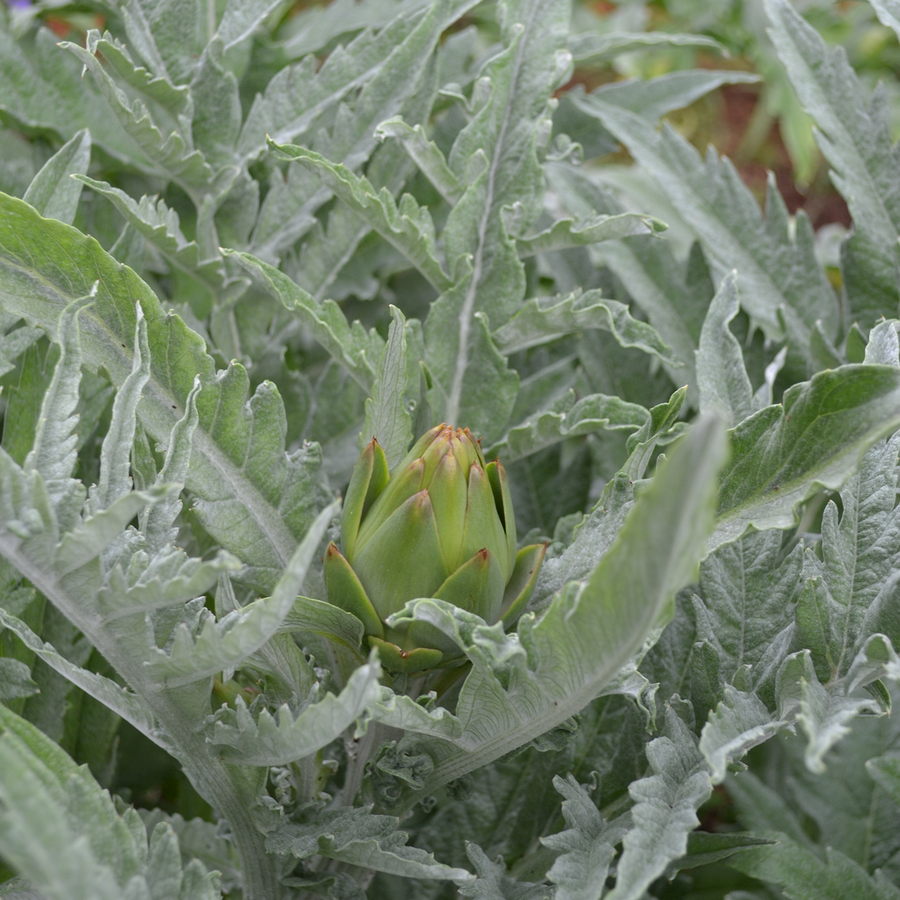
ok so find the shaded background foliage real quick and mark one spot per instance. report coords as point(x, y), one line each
point(272, 172)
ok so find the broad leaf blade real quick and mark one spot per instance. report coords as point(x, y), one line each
point(54, 193)
point(814, 438)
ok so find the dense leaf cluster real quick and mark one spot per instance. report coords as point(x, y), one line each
point(239, 240)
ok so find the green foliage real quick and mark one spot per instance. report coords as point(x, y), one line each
point(240, 240)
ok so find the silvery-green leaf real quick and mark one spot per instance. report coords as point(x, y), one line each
point(241, 18)
point(806, 876)
point(159, 151)
point(15, 680)
point(655, 97)
point(115, 453)
point(426, 155)
point(814, 438)
point(588, 49)
point(665, 809)
point(387, 418)
point(541, 320)
point(407, 226)
point(504, 135)
point(13, 343)
point(127, 704)
point(63, 833)
point(358, 837)
point(352, 346)
point(822, 713)
point(238, 463)
point(227, 642)
point(44, 90)
point(286, 737)
point(588, 845)
point(721, 373)
point(565, 233)
point(568, 417)
point(854, 136)
point(739, 723)
point(159, 224)
point(53, 192)
point(776, 265)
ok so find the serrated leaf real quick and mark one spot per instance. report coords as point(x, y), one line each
point(588, 845)
point(821, 713)
point(14, 341)
point(401, 711)
point(286, 737)
point(152, 83)
point(157, 525)
point(406, 226)
point(815, 437)
point(591, 49)
point(739, 723)
point(350, 345)
point(216, 123)
point(44, 91)
point(84, 849)
point(177, 31)
point(358, 837)
point(493, 883)
point(161, 152)
point(400, 79)
point(426, 155)
point(127, 704)
point(15, 680)
point(842, 594)
point(854, 136)
point(487, 384)
point(523, 685)
point(665, 809)
point(226, 643)
point(168, 578)
point(241, 18)
point(565, 233)
point(601, 526)
point(238, 460)
point(160, 225)
point(743, 608)
point(674, 297)
point(705, 848)
point(542, 320)
point(387, 418)
point(653, 98)
point(115, 452)
point(97, 532)
point(297, 95)
point(504, 135)
point(54, 452)
point(53, 192)
point(777, 268)
point(567, 418)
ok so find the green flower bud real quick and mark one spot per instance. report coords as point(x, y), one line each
point(441, 525)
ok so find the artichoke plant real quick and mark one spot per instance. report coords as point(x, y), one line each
point(441, 525)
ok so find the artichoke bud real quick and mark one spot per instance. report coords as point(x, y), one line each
point(440, 525)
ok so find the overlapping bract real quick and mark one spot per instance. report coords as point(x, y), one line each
point(442, 525)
